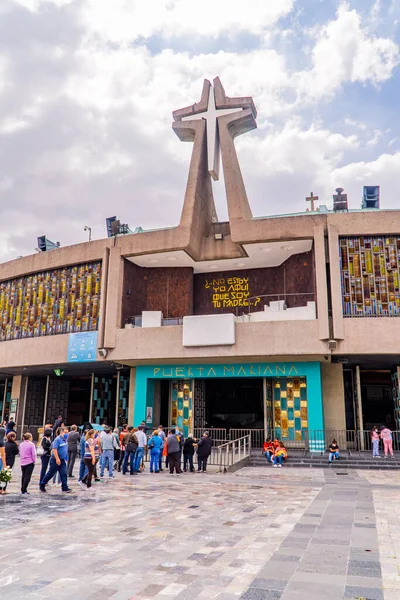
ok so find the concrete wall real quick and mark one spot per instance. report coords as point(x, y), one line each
point(268, 339)
point(375, 335)
point(333, 395)
point(50, 350)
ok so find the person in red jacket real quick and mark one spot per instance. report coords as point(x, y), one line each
point(268, 449)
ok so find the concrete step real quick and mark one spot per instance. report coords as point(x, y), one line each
point(343, 463)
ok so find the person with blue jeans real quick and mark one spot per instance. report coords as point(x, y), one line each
point(161, 433)
point(131, 444)
point(108, 444)
point(142, 445)
point(333, 451)
point(58, 461)
point(155, 445)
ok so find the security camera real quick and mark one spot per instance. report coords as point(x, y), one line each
point(103, 352)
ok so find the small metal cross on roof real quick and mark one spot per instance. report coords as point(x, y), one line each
point(312, 199)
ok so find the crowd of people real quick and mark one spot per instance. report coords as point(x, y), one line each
point(100, 450)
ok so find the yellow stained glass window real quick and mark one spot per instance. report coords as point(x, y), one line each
point(290, 424)
point(298, 436)
point(283, 394)
point(290, 403)
point(303, 403)
point(296, 393)
point(297, 414)
point(304, 424)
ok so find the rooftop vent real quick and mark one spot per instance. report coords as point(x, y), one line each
point(44, 245)
point(115, 227)
point(370, 196)
point(340, 201)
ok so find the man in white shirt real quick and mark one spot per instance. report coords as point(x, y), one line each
point(142, 439)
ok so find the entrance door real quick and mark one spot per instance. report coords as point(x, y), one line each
point(234, 403)
point(377, 399)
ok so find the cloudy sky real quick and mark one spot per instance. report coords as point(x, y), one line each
point(87, 88)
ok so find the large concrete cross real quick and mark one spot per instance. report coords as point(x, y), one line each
point(214, 104)
point(211, 115)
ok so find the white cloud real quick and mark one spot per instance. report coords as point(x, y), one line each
point(122, 21)
point(384, 171)
point(347, 52)
point(85, 113)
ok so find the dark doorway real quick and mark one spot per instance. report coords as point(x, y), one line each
point(79, 400)
point(234, 403)
point(377, 399)
point(164, 403)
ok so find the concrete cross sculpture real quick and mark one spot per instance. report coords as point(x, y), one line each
point(212, 124)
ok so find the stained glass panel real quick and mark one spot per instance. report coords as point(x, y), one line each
point(370, 276)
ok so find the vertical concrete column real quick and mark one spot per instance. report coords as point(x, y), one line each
point(103, 297)
point(117, 398)
point(18, 392)
point(114, 297)
point(336, 288)
point(360, 420)
point(320, 282)
point(91, 399)
point(46, 397)
point(333, 396)
point(132, 392)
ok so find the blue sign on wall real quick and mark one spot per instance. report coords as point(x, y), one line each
point(82, 347)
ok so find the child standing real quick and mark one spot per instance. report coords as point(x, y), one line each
point(386, 436)
point(375, 442)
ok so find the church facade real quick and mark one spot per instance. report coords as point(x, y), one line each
point(284, 325)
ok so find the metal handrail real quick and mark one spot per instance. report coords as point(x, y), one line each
point(233, 452)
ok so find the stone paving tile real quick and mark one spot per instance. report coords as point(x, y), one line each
point(256, 534)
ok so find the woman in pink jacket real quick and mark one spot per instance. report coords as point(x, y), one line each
point(386, 437)
point(27, 454)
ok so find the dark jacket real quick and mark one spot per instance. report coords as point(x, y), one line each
point(188, 446)
point(73, 441)
point(11, 452)
point(46, 445)
point(130, 442)
point(204, 447)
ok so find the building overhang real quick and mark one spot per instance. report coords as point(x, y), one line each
point(261, 255)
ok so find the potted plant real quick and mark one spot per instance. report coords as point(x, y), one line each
point(5, 477)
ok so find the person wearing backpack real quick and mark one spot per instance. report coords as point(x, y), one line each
point(131, 444)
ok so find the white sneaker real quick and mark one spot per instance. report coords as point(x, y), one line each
point(275, 466)
point(280, 466)
point(82, 485)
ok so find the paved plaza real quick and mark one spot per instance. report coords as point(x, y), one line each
point(258, 534)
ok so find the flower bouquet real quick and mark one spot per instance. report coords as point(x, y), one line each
point(5, 477)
